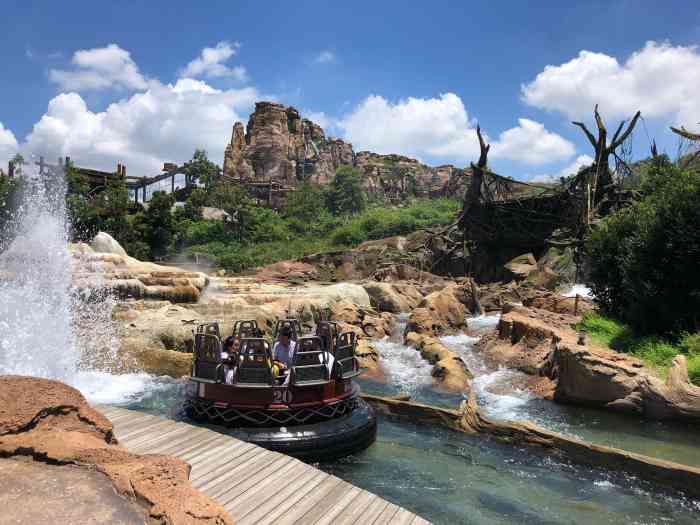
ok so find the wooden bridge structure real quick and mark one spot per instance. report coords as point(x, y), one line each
point(255, 485)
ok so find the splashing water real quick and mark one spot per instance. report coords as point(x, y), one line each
point(579, 289)
point(494, 388)
point(49, 328)
point(404, 366)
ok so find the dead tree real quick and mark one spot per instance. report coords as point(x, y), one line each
point(472, 197)
point(686, 134)
point(600, 177)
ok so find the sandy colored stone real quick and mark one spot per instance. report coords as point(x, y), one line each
point(41, 494)
point(441, 312)
point(544, 343)
point(51, 422)
point(449, 370)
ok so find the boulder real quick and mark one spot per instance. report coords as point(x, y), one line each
point(442, 312)
point(393, 297)
point(449, 370)
point(287, 270)
point(544, 343)
point(52, 423)
point(371, 324)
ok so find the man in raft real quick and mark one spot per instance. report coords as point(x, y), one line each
point(283, 352)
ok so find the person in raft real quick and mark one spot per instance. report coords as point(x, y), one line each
point(228, 355)
point(283, 351)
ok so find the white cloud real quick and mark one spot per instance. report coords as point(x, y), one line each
point(164, 123)
point(531, 143)
point(441, 128)
point(571, 169)
point(661, 80)
point(321, 118)
point(325, 57)
point(211, 63)
point(8, 145)
point(437, 127)
point(99, 68)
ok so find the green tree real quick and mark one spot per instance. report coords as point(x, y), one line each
point(345, 194)
point(305, 210)
point(159, 225)
point(644, 258)
point(201, 169)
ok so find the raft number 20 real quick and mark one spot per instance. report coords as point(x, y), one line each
point(281, 395)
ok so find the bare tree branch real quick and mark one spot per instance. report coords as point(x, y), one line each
point(627, 132)
point(619, 128)
point(483, 156)
point(590, 136)
point(686, 134)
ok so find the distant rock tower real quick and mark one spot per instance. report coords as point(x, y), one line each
point(279, 146)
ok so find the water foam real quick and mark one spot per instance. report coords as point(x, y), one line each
point(50, 328)
point(579, 289)
point(495, 389)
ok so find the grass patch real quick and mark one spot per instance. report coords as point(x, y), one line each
point(656, 352)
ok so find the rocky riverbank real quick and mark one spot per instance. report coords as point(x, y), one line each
point(50, 423)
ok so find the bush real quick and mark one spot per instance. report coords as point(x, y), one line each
point(349, 235)
point(644, 258)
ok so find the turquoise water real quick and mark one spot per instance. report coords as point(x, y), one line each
point(449, 477)
point(452, 478)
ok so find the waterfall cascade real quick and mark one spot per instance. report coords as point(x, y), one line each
point(47, 327)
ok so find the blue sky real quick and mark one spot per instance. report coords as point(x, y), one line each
point(402, 77)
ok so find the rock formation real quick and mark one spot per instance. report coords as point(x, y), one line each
point(541, 342)
point(114, 271)
point(279, 146)
point(52, 423)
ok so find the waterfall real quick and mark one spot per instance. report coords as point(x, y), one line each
point(47, 328)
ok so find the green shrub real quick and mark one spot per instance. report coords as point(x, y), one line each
point(348, 235)
point(644, 258)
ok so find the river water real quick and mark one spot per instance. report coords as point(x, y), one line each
point(47, 329)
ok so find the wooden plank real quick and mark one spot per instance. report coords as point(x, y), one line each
point(325, 491)
point(254, 469)
point(403, 517)
point(173, 442)
point(278, 504)
point(164, 432)
point(145, 427)
point(197, 458)
point(213, 476)
point(123, 423)
point(178, 449)
point(220, 442)
point(353, 510)
point(253, 497)
point(387, 515)
point(213, 467)
point(372, 512)
point(255, 476)
point(325, 514)
point(255, 485)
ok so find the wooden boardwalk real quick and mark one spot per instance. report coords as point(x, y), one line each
point(253, 484)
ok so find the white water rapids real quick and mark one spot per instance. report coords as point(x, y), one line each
point(47, 327)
